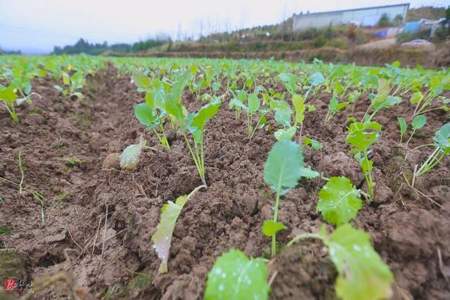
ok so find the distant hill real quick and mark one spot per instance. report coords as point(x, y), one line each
point(426, 12)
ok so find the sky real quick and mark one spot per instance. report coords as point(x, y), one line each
point(35, 26)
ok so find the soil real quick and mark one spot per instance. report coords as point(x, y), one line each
point(94, 221)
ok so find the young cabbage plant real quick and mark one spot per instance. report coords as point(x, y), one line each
point(417, 123)
point(442, 149)
point(252, 108)
point(381, 100)
point(282, 170)
point(362, 274)
point(8, 97)
point(361, 136)
point(149, 117)
point(235, 276)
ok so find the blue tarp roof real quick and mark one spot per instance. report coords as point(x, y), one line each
point(412, 26)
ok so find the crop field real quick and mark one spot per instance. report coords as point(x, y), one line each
point(157, 178)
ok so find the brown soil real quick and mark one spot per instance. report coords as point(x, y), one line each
point(98, 221)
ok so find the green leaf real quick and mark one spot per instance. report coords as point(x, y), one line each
point(205, 113)
point(234, 276)
point(253, 103)
point(271, 228)
point(129, 158)
point(285, 134)
point(145, 115)
point(289, 80)
point(8, 95)
point(442, 138)
point(366, 165)
point(339, 201)
point(419, 121)
point(299, 106)
point(416, 98)
point(308, 173)
point(314, 144)
point(362, 273)
point(316, 79)
point(282, 169)
point(361, 135)
point(283, 113)
point(403, 126)
point(235, 103)
point(162, 237)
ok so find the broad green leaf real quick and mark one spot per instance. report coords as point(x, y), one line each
point(162, 237)
point(174, 108)
point(283, 113)
point(416, 98)
point(145, 115)
point(418, 122)
point(316, 79)
point(442, 138)
point(235, 103)
point(362, 273)
point(253, 103)
point(403, 126)
point(339, 201)
point(316, 145)
point(290, 81)
point(299, 106)
point(271, 228)
point(282, 169)
point(361, 135)
point(285, 134)
point(129, 158)
point(205, 113)
point(234, 276)
point(8, 95)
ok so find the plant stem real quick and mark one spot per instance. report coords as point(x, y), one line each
point(275, 218)
point(303, 237)
point(22, 173)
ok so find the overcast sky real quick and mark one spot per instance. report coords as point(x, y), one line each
point(38, 25)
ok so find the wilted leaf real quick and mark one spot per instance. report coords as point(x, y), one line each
point(129, 158)
point(234, 276)
point(362, 273)
point(339, 201)
point(163, 235)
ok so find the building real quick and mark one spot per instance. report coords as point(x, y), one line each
point(368, 16)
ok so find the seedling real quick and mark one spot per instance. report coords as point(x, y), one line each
point(417, 123)
point(251, 104)
point(8, 97)
point(282, 170)
point(361, 136)
point(442, 149)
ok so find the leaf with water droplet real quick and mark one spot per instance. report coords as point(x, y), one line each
point(163, 235)
point(234, 276)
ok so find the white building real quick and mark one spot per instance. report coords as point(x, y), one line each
point(368, 16)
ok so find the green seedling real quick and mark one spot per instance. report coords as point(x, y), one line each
point(251, 104)
point(381, 100)
point(361, 136)
point(417, 123)
point(442, 149)
point(282, 170)
point(8, 97)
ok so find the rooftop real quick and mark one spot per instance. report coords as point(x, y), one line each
point(352, 9)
